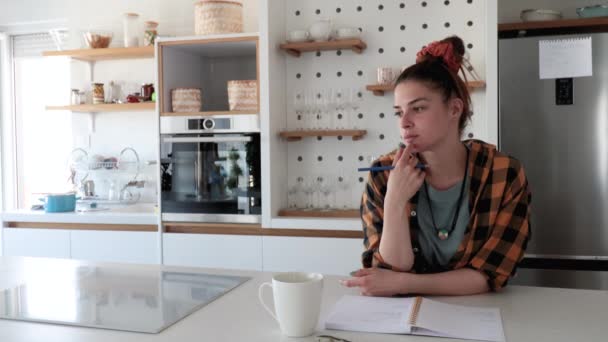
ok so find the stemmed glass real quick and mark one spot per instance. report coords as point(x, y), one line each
point(309, 111)
point(326, 108)
point(327, 189)
point(344, 191)
point(299, 107)
point(294, 200)
point(309, 190)
point(339, 100)
point(354, 101)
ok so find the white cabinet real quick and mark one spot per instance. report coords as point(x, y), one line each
point(51, 243)
point(324, 255)
point(115, 246)
point(215, 251)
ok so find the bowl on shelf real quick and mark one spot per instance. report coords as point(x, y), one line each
point(540, 15)
point(97, 39)
point(592, 11)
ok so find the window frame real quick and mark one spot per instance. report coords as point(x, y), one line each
point(9, 194)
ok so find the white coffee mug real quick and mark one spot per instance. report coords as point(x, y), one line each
point(298, 36)
point(297, 301)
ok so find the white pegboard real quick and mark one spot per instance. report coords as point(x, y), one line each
point(394, 31)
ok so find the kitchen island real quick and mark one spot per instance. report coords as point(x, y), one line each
point(528, 313)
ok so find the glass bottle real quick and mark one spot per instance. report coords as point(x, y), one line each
point(74, 98)
point(82, 97)
point(130, 29)
point(150, 32)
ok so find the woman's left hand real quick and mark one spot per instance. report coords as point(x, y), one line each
point(378, 282)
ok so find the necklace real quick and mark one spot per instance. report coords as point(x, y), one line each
point(443, 233)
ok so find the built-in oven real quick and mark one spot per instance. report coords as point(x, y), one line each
point(210, 169)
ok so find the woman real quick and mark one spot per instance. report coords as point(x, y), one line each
point(458, 224)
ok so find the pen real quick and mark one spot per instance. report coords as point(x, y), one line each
point(390, 167)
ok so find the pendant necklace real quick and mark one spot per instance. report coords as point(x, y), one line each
point(443, 233)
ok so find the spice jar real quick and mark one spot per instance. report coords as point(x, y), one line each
point(130, 29)
point(98, 93)
point(150, 32)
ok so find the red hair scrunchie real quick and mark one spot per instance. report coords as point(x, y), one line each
point(444, 50)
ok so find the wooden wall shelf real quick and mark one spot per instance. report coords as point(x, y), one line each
point(107, 107)
point(380, 89)
point(227, 112)
point(564, 26)
point(296, 49)
point(351, 213)
point(356, 134)
point(91, 55)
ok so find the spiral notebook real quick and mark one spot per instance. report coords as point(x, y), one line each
point(564, 58)
point(415, 316)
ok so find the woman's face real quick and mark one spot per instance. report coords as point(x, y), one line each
point(425, 119)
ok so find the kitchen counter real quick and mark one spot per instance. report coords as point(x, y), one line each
point(137, 214)
point(528, 313)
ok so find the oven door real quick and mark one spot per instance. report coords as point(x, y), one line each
point(212, 177)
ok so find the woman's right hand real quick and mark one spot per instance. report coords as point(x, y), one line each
point(405, 179)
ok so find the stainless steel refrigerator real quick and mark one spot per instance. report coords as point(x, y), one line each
point(558, 129)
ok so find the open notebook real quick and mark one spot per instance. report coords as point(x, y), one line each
point(417, 316)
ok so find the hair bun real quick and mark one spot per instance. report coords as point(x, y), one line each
point(449, 50)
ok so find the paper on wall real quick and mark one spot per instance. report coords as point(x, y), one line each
point(564, 58)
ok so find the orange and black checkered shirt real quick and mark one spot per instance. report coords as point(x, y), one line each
point(499, 227)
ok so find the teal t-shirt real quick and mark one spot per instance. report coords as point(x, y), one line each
point(432, 247)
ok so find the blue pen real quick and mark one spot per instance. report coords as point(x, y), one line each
point(390, 167)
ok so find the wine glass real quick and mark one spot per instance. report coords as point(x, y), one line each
point(308, 189)
point(327, 190)
point(344, 191)
point(354, 99)
point(298, 106)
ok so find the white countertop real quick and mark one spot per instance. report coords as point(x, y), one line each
point(140, 213)
point(528, 313)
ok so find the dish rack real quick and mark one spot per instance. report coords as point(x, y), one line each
point(128, 163)
point(79, 161)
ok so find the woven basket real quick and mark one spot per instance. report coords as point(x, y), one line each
point(186, 100)
point(218, 16)
point(243, 95)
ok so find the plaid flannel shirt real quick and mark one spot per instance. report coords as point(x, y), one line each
point(499, 227)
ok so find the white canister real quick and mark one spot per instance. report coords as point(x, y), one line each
point(130, 29)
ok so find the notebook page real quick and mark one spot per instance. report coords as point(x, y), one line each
point(563, 58)
point(371, 314)
point(466, 322)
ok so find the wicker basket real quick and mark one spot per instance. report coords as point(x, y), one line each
point(218, 16)
point(243, 95)
point(186, 100)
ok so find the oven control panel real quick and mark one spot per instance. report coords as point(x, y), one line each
point(208, 124)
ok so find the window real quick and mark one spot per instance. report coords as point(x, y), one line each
point(42, 139)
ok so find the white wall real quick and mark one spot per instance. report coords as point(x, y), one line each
point(509, 10)
point(113, 131)
point(175, 17)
